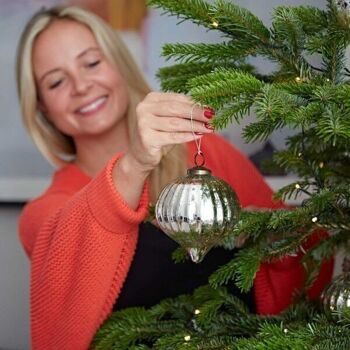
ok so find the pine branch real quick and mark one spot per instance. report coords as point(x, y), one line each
point(288, 29)
point(313, 20)
point(197, 11)
point(293, 190)
point(175, 78)
point(242, 270)
point(260, 131)
point(186, 53)
point(333, 128)
point(326, 248)
point(223, 86)
point(239, 23)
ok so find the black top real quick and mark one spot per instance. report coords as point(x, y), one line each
point(154, 276)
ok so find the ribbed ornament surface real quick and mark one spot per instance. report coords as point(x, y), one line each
point(336, 297)
point(197, 211)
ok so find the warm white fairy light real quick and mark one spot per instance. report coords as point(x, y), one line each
point(314, 219)
point(197, 312)
point(187, 337)
point(215, 24)
point(297, 186)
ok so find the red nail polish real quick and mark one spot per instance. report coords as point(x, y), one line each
point(209, 112)
point(209, 126)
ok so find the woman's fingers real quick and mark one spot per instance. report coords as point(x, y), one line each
point(175, 105)
point(160, 139)
point(174, 124)
point(165, 119)
point(155, 96)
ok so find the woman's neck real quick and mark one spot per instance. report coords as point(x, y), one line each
point(93, 152)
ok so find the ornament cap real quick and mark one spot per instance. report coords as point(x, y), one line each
point(198, 171)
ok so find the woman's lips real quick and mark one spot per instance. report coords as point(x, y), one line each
point(92, 107)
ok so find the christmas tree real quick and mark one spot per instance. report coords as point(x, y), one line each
point(314, 100)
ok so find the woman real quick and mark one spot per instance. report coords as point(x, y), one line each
point(91, 114)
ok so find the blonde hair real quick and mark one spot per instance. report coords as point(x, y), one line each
point(56, 147)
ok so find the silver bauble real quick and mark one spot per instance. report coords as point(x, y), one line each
point(343, 5)
point(336, 297)
point(197, 211)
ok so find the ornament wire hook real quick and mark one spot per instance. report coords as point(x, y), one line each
point(199, 158)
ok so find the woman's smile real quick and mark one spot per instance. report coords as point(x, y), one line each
point(92, 107)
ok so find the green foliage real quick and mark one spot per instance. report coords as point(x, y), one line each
point(238, 23)
point(175, 78)
point(214, 319)
point(224, 86)
point(195, 10)
point(207, 52)
point(310, 98)
point(288, 30)
point(242, 269)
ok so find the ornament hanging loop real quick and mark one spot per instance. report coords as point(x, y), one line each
point(199, 159)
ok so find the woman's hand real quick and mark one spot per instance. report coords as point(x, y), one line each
point(164, 119)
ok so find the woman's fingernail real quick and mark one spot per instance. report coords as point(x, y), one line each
point(209, 126)
point(209, 112)
point(198, 133)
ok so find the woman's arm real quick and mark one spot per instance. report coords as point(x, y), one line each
point(80, 255)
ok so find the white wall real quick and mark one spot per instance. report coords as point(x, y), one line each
point(14, 283)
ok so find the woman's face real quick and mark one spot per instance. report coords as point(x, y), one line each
point(79, 90)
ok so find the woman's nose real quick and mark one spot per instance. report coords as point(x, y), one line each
point(81, 84)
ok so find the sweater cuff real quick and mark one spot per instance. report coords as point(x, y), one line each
point(108, 206)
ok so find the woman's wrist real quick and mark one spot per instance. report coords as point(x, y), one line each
point(132, 167)
point(129, 178)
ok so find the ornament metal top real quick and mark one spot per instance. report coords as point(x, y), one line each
point(197, 211)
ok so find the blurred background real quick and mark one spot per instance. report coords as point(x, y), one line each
point(24, 173)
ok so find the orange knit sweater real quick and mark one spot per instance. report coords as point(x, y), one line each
point(81, 236)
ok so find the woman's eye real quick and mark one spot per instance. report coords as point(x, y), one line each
point(55, 84)
point(94, 63)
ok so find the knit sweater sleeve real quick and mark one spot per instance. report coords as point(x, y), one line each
point(276, 282)
point(81, 246)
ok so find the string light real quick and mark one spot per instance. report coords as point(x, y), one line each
point(215, 24)
point(314, 219)
point(197, 312)
point(297, 186)
point(285, 331)
point(321, 165)
point(300, 154)
point(187, 337)
point(298, 79)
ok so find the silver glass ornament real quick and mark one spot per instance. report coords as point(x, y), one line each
point(197, 211)
point(343, 5)
point(336, 297)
